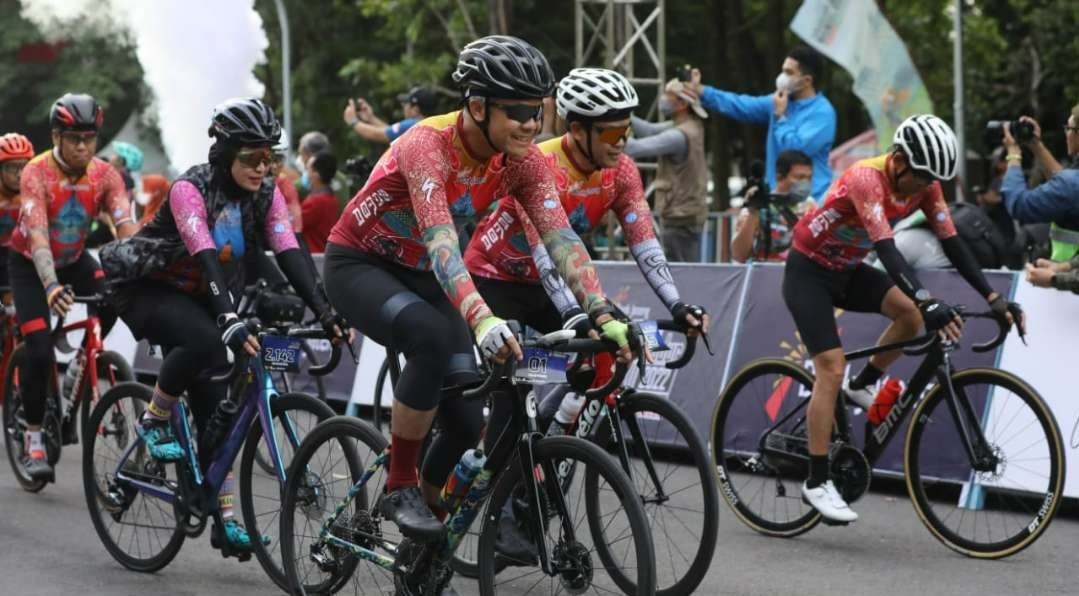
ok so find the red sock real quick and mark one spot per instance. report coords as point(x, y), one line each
point(404, 455)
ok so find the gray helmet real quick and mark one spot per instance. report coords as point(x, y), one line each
point(505, 67)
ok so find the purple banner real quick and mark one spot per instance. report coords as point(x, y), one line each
point(767, 330)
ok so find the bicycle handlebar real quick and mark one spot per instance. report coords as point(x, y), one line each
point(691, 342)
point(923, 344)
point(240, 362)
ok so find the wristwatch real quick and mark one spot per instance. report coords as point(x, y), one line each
point(922, 296)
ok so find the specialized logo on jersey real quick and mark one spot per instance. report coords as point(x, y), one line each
point(428, 187)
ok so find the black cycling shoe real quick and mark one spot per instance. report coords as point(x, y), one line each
point(513, 545)
point(39, 469)
point(406, 508)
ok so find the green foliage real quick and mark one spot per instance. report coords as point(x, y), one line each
point(100, 63)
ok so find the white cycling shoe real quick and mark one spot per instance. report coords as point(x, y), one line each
point(825, 499)
point(862, 397)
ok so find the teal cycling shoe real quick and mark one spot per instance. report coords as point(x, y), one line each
point(237, 536)
point(162, 444)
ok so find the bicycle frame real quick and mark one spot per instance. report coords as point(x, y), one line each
point(92, 345)
point(937, 363)
point(256, 402)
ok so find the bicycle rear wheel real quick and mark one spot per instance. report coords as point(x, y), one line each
point(294, 416)
point(139, 530)
point(680, 499)
point(763, 489)
point(998, 508)
point(328, 462)
point(575, 558)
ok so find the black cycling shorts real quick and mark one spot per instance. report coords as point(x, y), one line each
point(812, 293)
point(525, 303)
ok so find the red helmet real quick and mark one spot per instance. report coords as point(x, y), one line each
point(15, 146)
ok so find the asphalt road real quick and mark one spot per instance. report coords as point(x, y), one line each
point(48, 547)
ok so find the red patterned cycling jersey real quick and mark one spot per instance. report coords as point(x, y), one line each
point(428, 176)
point(861, 209)
point(64, 206)
point(499, 248)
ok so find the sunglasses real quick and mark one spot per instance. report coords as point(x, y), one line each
point(612, 135)
point(520, 112)
point(255, 158)
point(75, 138)
point(1068, 129)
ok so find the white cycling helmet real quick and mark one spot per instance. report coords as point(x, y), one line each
point(595, 94)
point(930, 145)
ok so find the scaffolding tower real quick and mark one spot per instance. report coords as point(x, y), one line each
point(624, 35)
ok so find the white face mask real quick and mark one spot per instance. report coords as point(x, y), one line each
point(666, 106)
point(785, 82)
point(142, 198)
point(801, 189)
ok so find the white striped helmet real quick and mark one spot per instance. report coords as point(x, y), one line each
point(930, 145)
point(594, 94)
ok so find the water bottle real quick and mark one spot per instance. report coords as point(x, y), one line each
point(218, 424)
point(566, 414)
point(457, 485)
point(882, 404)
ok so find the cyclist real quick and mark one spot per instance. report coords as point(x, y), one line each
point(62, 191)
point(15, 152)
point(594, 177)
point(394, 268)
point(177, 277)
point(825, 270)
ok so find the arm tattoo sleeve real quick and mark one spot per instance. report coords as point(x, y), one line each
point(653, 264)
point(449, 269)
point(572, 261)
point(43, 263)
point(557, 290)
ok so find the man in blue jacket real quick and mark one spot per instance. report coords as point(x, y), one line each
point(798, 116)
point(1056, 200)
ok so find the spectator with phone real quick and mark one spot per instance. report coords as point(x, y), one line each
point(797, 114)
point(417, 104)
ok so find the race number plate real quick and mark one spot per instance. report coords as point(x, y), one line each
point(541, 366)
point(653, 336)
point(281, 353)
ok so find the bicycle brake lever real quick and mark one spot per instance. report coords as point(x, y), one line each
point(707, 344)
point(351, 350)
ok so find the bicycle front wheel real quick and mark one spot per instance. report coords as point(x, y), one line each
point(570, 540)
point(294, 416)
point(758, 434)
point(1003, 502)
point(678, 489)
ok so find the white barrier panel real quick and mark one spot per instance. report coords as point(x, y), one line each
point(1047, 363)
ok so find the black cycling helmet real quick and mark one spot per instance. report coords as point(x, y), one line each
point(245, 121)
point(505, 67)
point(76, 111)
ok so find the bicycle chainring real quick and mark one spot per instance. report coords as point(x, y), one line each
point(574, 566)
point(850, 472)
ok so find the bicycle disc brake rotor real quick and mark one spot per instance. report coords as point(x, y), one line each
point(850, 472)
point(574, 566)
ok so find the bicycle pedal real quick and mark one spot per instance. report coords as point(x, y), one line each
point(832, 522)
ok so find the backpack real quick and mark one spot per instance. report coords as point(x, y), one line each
point(979, 233)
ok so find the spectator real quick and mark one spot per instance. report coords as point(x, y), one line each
point(320, 206)
point(417, 104)
point(154, 189)
point(682, 176)
point(798, 116)
point(1056, 201)
point(311, 144)
point(127, 160)
point(286, 185)
point(1051, 274)
point(778, 213)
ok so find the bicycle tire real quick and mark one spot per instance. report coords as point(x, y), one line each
point(249, 460)
point(342, 429)
point(1042, 502)
point(109, 403)
point(116, 370)
point(13, 429)
point(735, 450)
point(377, 414)
point(671, 581)
point(547, 453)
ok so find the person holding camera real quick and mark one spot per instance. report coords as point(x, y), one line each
point(1056, 201)
point(417, 104)
point(765, 224)
point(682, 176)
point(797, 114)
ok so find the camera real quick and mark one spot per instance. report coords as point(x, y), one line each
point(684, 73)
point(1021, 131)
